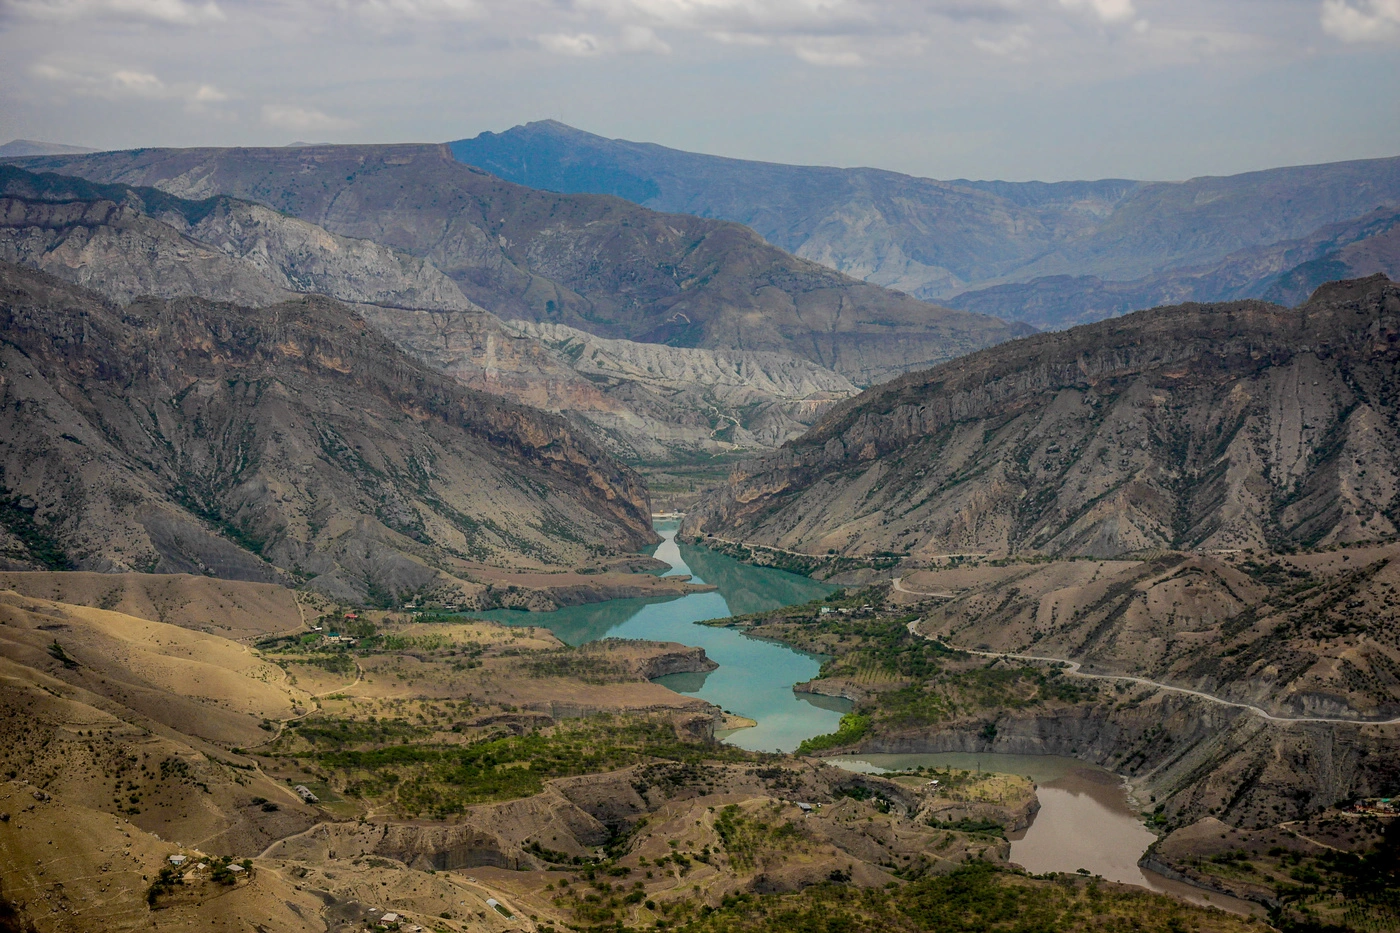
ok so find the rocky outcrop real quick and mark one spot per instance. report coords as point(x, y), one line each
point(681, 660)
point(1202, 426)
point(598, 264)
point(190, 436)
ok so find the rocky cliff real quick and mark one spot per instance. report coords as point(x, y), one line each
point(1201, 426)
point(287, 441)
point(598, 264)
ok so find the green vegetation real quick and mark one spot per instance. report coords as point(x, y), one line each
point(976, 898)
point(58, 654)
point(746, 836)
point(852, 729)
point(397, 763)
point(165, 882)
point(911, 681)
point(35, 543)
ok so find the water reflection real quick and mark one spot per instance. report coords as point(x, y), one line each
point(750, 589)
point(1085, 819)
point(684, 683)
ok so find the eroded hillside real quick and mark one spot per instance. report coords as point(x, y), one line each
point(277, 443)
point(645, 402)
point(595, 263)
point(1203, 426)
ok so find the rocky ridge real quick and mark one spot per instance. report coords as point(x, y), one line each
point(284, 442)
point(1088, 241)
point(595, 263)
point(1285, 273)
point(644, 401)
point(1203, 426)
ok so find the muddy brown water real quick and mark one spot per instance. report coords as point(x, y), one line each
point(1086, 820)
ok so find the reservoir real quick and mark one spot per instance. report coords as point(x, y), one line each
point(1085, 820)
point(754, 677)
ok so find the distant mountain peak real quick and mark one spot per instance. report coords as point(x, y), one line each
point(19, 148)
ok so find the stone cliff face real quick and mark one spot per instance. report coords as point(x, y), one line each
point(594, 263)
point(708, 399)
point(290, 440)
point(123, 253)
point(1220, 426)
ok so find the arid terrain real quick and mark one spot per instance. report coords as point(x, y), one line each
point(462, 775)
point(1211, 427)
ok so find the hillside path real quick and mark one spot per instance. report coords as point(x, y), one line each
point(1073, 667)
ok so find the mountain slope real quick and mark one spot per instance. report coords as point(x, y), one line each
point(190, 436)
point(1210, 426)
point(598, 264)
point(936, 239)
point(1286, 272)
point(925, 237)
point(644, 401)
point(31, 147)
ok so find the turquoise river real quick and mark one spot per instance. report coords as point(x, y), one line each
point(754, 678)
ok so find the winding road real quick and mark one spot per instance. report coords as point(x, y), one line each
point(1073, 667)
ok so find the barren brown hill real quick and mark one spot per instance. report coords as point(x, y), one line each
point(593, 262)
point(264, 444)
point(235, 609)
point(1201, 426)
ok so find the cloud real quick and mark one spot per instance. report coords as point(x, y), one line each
point(173, 12)
point(1110, 11)
point(631, 38)
point(1013, 43)
point(581, 44)
point(292, 117)
point(828, 57)
point(128, 84)
point(1366, 21)
point(642, 39)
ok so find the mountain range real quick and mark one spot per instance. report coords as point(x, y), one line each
point(598, 264)
point(645, 402)
point(284, 443)
point(1081, 250)
point(1227, 426)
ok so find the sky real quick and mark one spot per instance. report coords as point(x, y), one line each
point(1010, 89)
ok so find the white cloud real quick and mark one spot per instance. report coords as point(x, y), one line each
point(641, 39)
point(128, 84)
point(297, 119)
point(1110, 11)
point(581, 44)
point(175, 12)
point(828, 57)
point(631, 38)
point(1366, 21)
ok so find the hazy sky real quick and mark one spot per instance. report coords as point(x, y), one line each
point(1014, 89)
